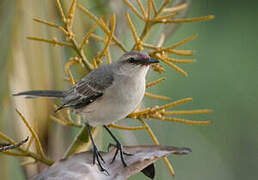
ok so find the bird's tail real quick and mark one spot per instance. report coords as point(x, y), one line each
point(41, 93)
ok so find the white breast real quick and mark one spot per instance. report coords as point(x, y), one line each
point(118, 100)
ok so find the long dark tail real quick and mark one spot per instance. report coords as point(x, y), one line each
point(41, 93)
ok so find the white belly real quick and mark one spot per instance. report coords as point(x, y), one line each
point(118, 101)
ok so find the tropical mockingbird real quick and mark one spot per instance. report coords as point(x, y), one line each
point(105, 95)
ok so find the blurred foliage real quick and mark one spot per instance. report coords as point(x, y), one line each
point(224, 80)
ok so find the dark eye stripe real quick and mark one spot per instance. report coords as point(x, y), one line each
point(131, 60)
point(135, 61)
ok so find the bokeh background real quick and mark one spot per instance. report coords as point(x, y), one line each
point(224, 79)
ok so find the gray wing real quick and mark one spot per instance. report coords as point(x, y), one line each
point(88, 89)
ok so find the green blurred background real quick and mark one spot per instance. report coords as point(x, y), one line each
point(224, 79)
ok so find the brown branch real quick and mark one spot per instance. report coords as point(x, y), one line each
point(51, 41)
point(101, 25)
point(34, 135)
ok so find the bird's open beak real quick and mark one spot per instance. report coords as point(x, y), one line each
point(151, 61)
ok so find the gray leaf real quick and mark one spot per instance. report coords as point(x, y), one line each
point(80, 167)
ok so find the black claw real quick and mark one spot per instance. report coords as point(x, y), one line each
point(119, 148)
point(99, 163)
point(127, 154)
point(101, 157)
point(113, 145)
point(96, 154)
point(114, 157)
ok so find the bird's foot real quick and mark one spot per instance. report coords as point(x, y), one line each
point(97, 156)
point(119, 148)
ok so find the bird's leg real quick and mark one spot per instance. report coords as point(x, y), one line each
point(118, 146)
point(114, 145)
point(96, 154)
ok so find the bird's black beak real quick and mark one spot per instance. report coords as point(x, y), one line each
point(151, 61)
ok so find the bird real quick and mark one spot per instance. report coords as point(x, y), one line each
point(105, 95)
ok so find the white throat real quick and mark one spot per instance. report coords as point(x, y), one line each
point(133, 71)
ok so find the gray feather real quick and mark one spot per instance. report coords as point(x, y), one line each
point(89, 88)
point(41, 93)
point(84, 92)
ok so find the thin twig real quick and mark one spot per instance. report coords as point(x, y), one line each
point(177, 68)
point(154, 7)
point(155, 96)
point(51, 41)
point(70, 16)
point(187, 20)
point(155, 140)
point(34, 134)
point(184, 121)
point(142, 8)
point(126, 127)
point(50, 24)
point(177, 8)
point(61, 11)
point(102, 26)
point(5, 147)
point(153, 83)
point(109, 37)
point(187, 112)
point(89, 33)
point(134, 9)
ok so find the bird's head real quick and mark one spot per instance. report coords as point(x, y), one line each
point(134, 62)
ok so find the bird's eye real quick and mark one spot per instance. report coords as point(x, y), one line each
point(131, 60)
